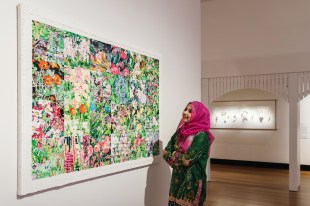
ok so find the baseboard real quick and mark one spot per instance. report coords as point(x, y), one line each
point(256, 164)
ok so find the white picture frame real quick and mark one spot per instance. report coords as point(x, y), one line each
point(26, 184)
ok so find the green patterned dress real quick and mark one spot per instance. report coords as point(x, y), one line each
point(188, 185)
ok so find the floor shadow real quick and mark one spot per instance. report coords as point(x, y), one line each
point(157, 183)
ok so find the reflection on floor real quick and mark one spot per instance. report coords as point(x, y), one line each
point(254, 186)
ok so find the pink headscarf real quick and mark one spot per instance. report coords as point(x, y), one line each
point(200, 121)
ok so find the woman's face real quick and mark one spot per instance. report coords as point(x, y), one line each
point(187, 113)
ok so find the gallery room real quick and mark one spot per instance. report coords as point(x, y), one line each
point(92, 92)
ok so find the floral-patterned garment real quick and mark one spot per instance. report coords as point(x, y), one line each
point(189, 180)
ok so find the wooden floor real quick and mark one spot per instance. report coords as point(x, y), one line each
point(251, 186)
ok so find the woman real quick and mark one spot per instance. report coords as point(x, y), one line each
point(187, 153)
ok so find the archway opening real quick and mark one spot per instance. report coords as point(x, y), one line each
point(259, 145)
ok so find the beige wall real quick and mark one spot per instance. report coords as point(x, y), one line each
point(257, 36)
point(244, 37)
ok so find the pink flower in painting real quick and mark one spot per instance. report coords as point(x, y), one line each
point(98, 99)
point(106, 150)
point(39, 132)
point(57, 124)
point(94, 158)
point(114, 50)
point(105, 145)
point(35, 136)
point(123, 55)
point(121, 65)
point(69, 48)
point(39, 144)
point(68, 162)
point(115, 69)
point(56, 111)
point(99, 56)
point(90, 150)
point(136, 141)
point(125, 72)
point(78, 74)
point(92, 58)
point(107, 91)
point(83, 49)
point(97, 147)
point(85, 146)
point(68, 74)
point(39, 107)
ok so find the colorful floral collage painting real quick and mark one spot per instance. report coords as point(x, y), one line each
point(93, 103)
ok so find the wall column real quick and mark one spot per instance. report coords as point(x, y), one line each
point(294, 141)
point(205, 100)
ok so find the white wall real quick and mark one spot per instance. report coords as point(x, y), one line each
point(170, 28)
point(244, 37)
point(254, 145)
point(258, 36)
point(305, 131)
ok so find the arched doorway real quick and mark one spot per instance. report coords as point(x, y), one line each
point(291, 87)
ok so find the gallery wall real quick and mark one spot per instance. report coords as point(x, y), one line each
point(257, 37)
point(254, 145)
point(158, 26)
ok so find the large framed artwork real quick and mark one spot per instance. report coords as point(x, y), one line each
point(243, 115)
point(87, 107)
